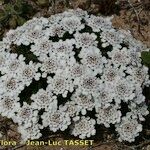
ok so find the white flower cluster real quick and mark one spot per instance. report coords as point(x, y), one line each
point(90, 68)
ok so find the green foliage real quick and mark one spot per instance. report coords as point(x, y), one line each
point(146, 58)
point(14, 13)
point(42, 2)
point(25, 50)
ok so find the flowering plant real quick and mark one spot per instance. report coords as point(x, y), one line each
point(81, 64)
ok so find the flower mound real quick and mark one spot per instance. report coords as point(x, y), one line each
point(83, 71)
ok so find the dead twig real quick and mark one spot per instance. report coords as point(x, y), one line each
point(142, 144)
point(17, 147)
point(136, 13)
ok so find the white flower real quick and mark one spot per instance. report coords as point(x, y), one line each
point(99, 23)
point(14, 64)
point(131, 42)
point(139, 75)
point(120, 57)
point(72, 24)
point(26, 116)
point(71, 108)
point(104, 96)
point(124, 90)
point(91, 68)
point(56, 120)
point(111, 37)
point(3, 60)
point(79, 12)
point(63, 48)
point(4, 45)
point(107, 116)
point(85, 127)
point(89, 84)
point(32, 132)
point(138, 111)
point(55, 30)
point(135, 57)
point(33, 23)
point(11, 85)
point(112, 73)
point(76, 71)
point(128, 129)
point(13, 36)
point(84, 40)
point(60, 84)
point(9, 105)
point(136, 45)
point(84, 102)
point(32, 35)
point(68, 13)
point(50, 64)
point(139, 97)
point(30, 72)
point(92, 58)
point(54, 19)
point(43, 99)
point(41, 47)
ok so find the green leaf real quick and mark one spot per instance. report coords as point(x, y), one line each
point(8, 8)
point(1, 2)
point(20, 20)
point(13, 22)
point(43, 2)
point(18, 9)
point(3, 15)
point(27, 9)
point(146, 58)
